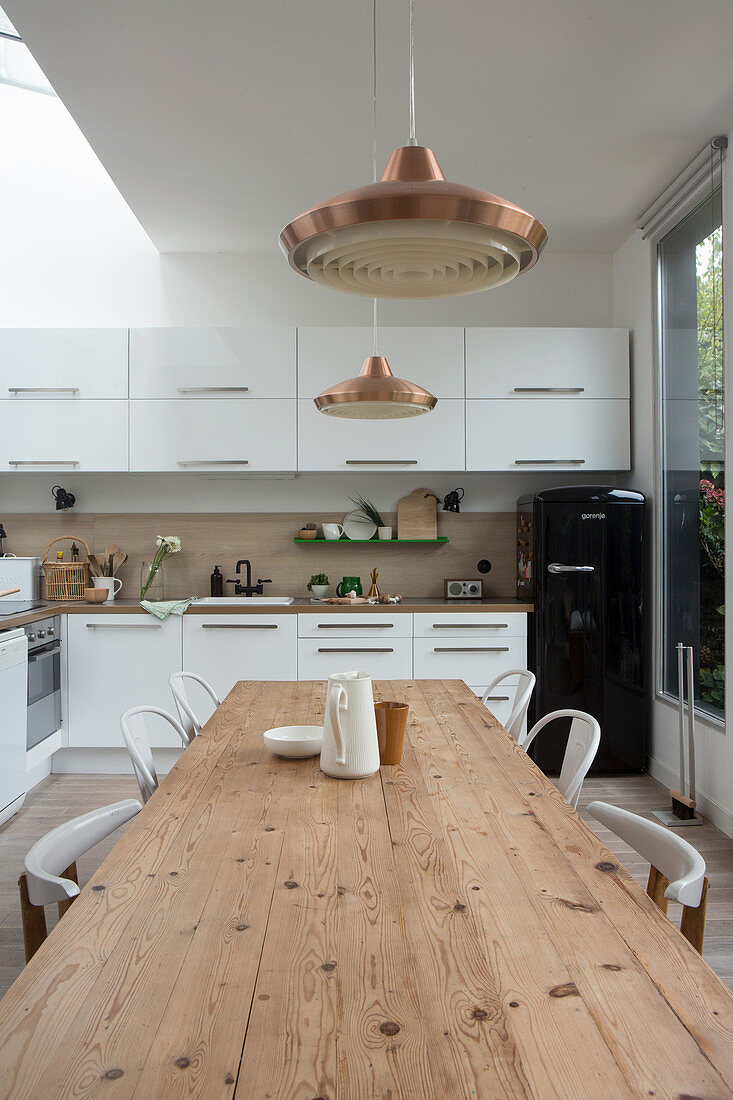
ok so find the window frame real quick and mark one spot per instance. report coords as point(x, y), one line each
point(704, 189)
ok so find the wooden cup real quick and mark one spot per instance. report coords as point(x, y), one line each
point(391, 724)
point(95, 595)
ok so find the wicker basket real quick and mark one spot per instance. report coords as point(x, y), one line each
point(66, 580)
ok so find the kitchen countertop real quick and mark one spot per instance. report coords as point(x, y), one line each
point(502, 605)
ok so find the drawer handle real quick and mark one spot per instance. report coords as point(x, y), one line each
point(356, 626)
point(496, 699)
point(212, 389)
point(549, 389)
point(549, 461)
point(472, 649)
point(123, 626)
point(369, 650)
point(44, 462)
point(239, 626)
point(381, 462)
point(213, 462)
point(470, 626)
point(43, 389)
point(555, 567)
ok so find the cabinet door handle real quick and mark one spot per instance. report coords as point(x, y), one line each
point(43, 389)
point(549, 461)
point(212, 389)
point(470, 626)
point(366, 650)
point(239, 626)
point(123, 626)
point(497, 699)
point(43, 462)
point(213, 462)
point(381, 462)
point(472, 649)
point(356, 626)
point(549, 389)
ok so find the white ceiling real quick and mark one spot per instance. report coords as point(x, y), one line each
point(221, 122)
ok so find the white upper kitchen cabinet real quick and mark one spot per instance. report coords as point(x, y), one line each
point(432, 357)
point(547, 434)
point(63, 363)
point(434, 441)
point(63, 435)
point(526, 363)
point(116, 661)
point(212, 362)
point(227, 648)
point(204, 435)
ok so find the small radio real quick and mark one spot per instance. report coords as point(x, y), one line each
point(463, 590)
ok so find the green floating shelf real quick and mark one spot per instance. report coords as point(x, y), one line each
point(371, 542)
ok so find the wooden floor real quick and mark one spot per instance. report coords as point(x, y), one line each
point(63, 796)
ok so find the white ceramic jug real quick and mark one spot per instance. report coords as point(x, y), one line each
point(350, 748)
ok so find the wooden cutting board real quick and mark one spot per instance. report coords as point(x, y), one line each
point(416, 515)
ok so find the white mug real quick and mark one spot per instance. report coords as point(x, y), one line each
point(108, 583)
point(332, 531)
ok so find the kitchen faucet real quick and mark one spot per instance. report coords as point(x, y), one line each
point(248, 589)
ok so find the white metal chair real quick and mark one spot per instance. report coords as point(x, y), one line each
point(677, 871)
point(135, 734)
point(522, 696)
point(188, 718)
point(580, 751)
point(50, 867)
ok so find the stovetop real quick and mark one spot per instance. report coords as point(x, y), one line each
point(19, 607)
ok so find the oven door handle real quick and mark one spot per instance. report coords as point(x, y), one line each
point(41, 655)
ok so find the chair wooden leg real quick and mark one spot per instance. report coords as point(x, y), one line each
point(655, 888)
point(34, 921)
point(692, 925)
point(72, 873)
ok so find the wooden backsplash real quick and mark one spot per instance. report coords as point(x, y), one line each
point(266, 539)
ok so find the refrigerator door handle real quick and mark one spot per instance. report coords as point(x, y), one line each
point(555, 567)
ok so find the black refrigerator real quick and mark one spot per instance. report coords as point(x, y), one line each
point(581, 560)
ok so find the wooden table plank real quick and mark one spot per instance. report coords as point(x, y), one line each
point(263, 930)
point(651, 1046)
point(521, 996)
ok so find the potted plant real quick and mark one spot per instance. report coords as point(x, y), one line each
point(318, 585)
point(370, 511)
point(308, 531)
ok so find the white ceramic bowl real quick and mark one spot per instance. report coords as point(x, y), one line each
point(296, 741)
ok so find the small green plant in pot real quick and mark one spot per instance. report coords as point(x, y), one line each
point(318, 585)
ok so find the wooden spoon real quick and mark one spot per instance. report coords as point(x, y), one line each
point(118, 560)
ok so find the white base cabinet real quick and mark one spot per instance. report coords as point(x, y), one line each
point(120, 660)
point(116, 662)
point(227, 648)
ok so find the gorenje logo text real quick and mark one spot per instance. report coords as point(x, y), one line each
point(593, 515)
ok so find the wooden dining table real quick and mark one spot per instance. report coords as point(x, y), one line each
point(447, 928)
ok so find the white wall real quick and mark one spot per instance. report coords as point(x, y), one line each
point(633, 308)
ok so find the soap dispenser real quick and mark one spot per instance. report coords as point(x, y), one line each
point(217, 582)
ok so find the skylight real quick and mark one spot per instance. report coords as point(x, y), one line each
point(17, 65)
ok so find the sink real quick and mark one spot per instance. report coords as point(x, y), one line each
point(245, 601)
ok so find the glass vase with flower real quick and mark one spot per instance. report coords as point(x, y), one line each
point(151, 574)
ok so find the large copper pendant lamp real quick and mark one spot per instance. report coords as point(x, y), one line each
point(413, 234)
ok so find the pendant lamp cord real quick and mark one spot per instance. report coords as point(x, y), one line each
point(374, 128)
point(413, 140)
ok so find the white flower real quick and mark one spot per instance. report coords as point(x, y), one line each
point(171, 544)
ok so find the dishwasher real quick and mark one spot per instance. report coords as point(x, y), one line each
point(13, 693)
